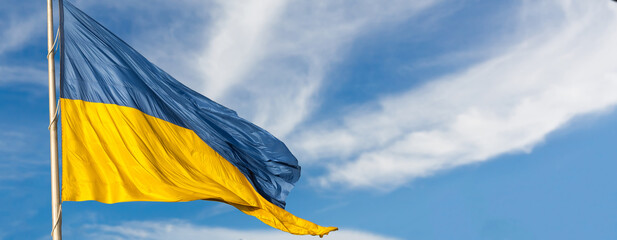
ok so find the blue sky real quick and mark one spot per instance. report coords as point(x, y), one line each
point(423, 119)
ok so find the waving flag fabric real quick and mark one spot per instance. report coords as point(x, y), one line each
point(131, 132)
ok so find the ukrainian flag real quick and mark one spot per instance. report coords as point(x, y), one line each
point(131, 132)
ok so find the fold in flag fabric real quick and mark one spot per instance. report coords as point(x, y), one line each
point(131, 132)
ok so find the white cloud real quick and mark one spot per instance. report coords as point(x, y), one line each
point(18, 162)
point(18, 30)
point(564, 65)
point(9, 74)
point(13, 141)
point(267, 59)
point(182, 230)
point(238, 42)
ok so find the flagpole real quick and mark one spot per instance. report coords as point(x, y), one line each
point(56, 213)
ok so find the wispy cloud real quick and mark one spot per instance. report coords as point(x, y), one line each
point(238, 41)
point(10, 74)
point(152, 230)
point(13, 142)
point(267, 59)
point(18, 162)
point(16, 30)
point(564, 65)
point(19, 28)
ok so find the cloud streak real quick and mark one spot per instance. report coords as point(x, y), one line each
point(152, 230)
point(18, 162)
point(18, 30)
point(267, 59)
point(238, 42)
point(19, 27)
point(264, 59)
point(12, 74)
point(564, 65)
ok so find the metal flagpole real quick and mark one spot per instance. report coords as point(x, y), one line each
point(56, 212)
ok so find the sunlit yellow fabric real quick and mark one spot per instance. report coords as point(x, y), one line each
point(115, 154)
